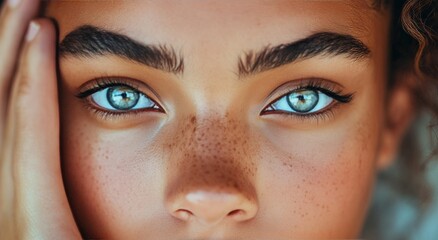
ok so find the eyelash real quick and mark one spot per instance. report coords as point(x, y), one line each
point(316, 85)
point(102, 83)
point(99, 84)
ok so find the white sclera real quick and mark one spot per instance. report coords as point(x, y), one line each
point(282, 104)
point(101, 99)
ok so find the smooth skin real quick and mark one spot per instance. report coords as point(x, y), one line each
point(210, 166)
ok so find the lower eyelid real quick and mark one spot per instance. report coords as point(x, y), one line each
point(115, 116)
point(313, 118)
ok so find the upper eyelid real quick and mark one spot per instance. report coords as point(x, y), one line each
point(101, 82)
point(135, 84)
point(93, 90)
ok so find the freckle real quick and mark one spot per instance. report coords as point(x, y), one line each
point(193, 119)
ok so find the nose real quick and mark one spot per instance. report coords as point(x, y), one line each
point(211, 181)
point(213, 207)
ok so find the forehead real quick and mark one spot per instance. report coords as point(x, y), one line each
point(197, 21)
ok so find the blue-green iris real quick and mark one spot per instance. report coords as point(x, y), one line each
point(303, 100)
point(122, 98)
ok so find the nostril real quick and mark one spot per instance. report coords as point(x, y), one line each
point(239, 215)
point(236, 212)
point(211, 207)
point(183, 214)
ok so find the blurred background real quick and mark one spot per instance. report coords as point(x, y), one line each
point(405, 201)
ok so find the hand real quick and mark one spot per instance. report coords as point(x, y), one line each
point(33, 203)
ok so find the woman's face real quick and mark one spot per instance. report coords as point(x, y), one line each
point(221, 119)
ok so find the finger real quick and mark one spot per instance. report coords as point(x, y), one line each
point(14, 19)
point(40, 194)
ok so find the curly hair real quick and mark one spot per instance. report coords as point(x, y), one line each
point(419, 20)
point(413, 50)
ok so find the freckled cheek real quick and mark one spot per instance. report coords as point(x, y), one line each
point(321, 178)
point(109, 176)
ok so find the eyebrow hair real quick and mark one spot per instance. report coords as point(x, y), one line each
point(90, 41)
point(323, 43)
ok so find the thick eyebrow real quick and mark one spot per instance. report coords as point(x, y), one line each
point(90, 41)
point(322, 43)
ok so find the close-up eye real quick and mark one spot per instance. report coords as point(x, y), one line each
point(117, 96)
point(302, 101)
point(121, 98)
point(306, 100)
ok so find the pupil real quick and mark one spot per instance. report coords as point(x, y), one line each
point(122, 98)
point(303, 100)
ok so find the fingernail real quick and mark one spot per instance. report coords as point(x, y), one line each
point(13, 3)
point(32, 31)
